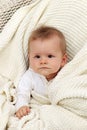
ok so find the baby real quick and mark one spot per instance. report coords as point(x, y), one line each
point(47, 55)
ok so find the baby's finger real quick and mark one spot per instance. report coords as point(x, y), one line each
point(21, 113)
point(24, 112)
point(28, 109)
point(18, 115)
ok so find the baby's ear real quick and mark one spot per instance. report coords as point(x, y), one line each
point(64, 60)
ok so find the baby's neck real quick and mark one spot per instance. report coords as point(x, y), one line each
point(51, 76)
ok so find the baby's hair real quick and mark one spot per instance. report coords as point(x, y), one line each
point(45, 32)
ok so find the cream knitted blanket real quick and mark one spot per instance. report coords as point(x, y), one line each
point(66, 105)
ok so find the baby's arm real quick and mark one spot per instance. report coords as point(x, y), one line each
point(23, 96)
point(23, 111)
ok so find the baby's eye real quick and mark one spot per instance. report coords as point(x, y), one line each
point(50, 56)
point(37, 56)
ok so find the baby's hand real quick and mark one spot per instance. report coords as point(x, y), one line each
point(23, 111)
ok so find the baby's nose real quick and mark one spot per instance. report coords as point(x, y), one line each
point(43, 61)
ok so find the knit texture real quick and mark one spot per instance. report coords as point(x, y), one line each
point(8, 8)
point(66, 105)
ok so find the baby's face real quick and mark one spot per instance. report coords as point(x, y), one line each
point(45, 56)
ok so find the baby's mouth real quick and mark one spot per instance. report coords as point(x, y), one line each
point(43, 68)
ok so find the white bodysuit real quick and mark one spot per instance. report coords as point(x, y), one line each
point(30, 81)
